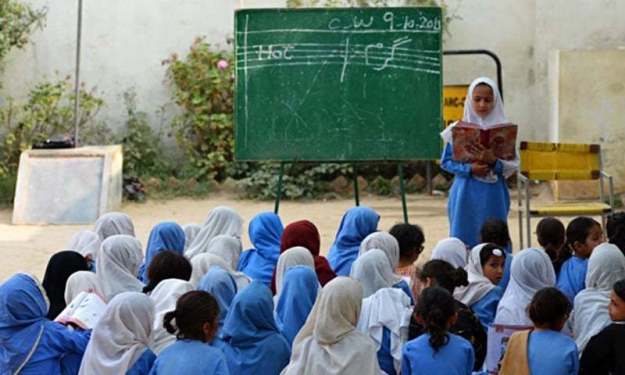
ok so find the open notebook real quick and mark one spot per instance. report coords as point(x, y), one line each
point(84, 311)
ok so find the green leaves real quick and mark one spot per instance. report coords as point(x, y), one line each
point(17, 21)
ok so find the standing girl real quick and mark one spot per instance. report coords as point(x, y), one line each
point(479, 190)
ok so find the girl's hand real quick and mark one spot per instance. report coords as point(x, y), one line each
point(484, 154)
point(479, 169)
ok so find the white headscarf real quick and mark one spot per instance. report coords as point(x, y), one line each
point(201, 263)
point(114, 223)
point(118, 263)
point(479, 285)
point(85, 242)
point(227, 247)
point(388, 244)
point(373, 271)
point(295, 256)
point(531, 271)
point(329, 342)
point(190, 232)
point(387, 308)
point(221, 220)
point(452, 251)
point(121, 336)
point(590, 315)
point(82, 281)
point(164, 297)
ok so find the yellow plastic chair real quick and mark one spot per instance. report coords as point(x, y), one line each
point(557, 162)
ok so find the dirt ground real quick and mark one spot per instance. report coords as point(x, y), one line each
point(27, 248)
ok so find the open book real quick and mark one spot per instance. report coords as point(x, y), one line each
point(84, 311)
point(500, 138)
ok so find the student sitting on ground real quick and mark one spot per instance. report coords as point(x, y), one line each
point(551, 237)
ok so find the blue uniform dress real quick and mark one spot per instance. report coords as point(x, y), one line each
point(403, 285)
point(454, 358)
point(164, 236)
point(486, 308)
point(143, 365)
point(222, 286)
point(472, 202)
point(572, 277)
point(252, 343)
point(23, 326)
point(265, 232)
point(544, 360)
point(190, 357)
point(299, 292)
point(357, 223)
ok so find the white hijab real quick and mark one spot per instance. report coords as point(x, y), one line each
point(85, 242)
point(121, 336)
point(531, 271)
point(227, 247)
point(190, 232)
point(201, 263)
point(388, 244)
point(82, 281)
point(373, 271)
point(114, 223)
point(329, 342)
point(118, 263)
point(221, 220)
point(164, 297)
point(590, 315)
point(387, 308)
point(479, 285)
point(295, 256)
point(452, 251)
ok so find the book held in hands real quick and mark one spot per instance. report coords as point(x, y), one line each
point(83, 312)
point(501, 138)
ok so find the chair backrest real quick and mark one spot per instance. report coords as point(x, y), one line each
point(560, 161)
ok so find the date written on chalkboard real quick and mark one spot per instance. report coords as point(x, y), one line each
point(392, 21)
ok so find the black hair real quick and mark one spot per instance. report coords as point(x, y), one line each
point(410, 238)
point(615, 228)
point(549, 307)
point(193, 310)
point(445, 275)
point(167, 265)
point(550, 231)
point(488, 251)
point(578, 230)
point(619, 289)
point(436, 306)
point(495, 231)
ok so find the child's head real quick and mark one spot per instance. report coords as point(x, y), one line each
point(495, 231)
point(437, 272)
point(617, 302)
point(583, 234)
point(616, 230)
point(483, 100)
point(437, 309)
point(196, 317)
point(167, 265)
point(549, 309)
point(551, 236)
point(410, 238)
point(493, 260)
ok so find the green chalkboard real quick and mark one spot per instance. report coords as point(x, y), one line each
point(346, 84)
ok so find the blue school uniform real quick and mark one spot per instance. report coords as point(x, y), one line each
point(190, 357)
point(403, 285)
point(472, 202)
point(251, 340)
point(572, 277)
point(164, 236)
point(143, 365)
point(454, 358)
point(544, 360)
point(220, 284)
point(297, 297)
point(503, 283)
point(259, 262)
point(486, 308)
point(356, 224)
point(385, 358)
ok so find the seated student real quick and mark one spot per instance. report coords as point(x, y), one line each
point(120, 339)
point(190, 232)
point(551, 237)
point(590, 314)
point(220, 220)
point(30, 343)
point(114, 223)
point(373, 271)
point(329, 342)
point(485, 270)
point(60, 267)
point(251, 339)
point(615, 229)
point(81, 281)
point(388, 244)
point(298, 294)
point(604, 353)
point(356, 224)
point(543, 349)
point(583, 234)
point(118, 262)
point(167, 265)
point(496, 231)
point(296, 256)
point(229, 249)
point(194, 322)
point(87, 243)
point(452, 251)
point(410, 238)
point(220, 284)
point(165, 236)
point(259, 262)
point(164, 297)
point(437, 351)
point(439, 273)
point(201, 263)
